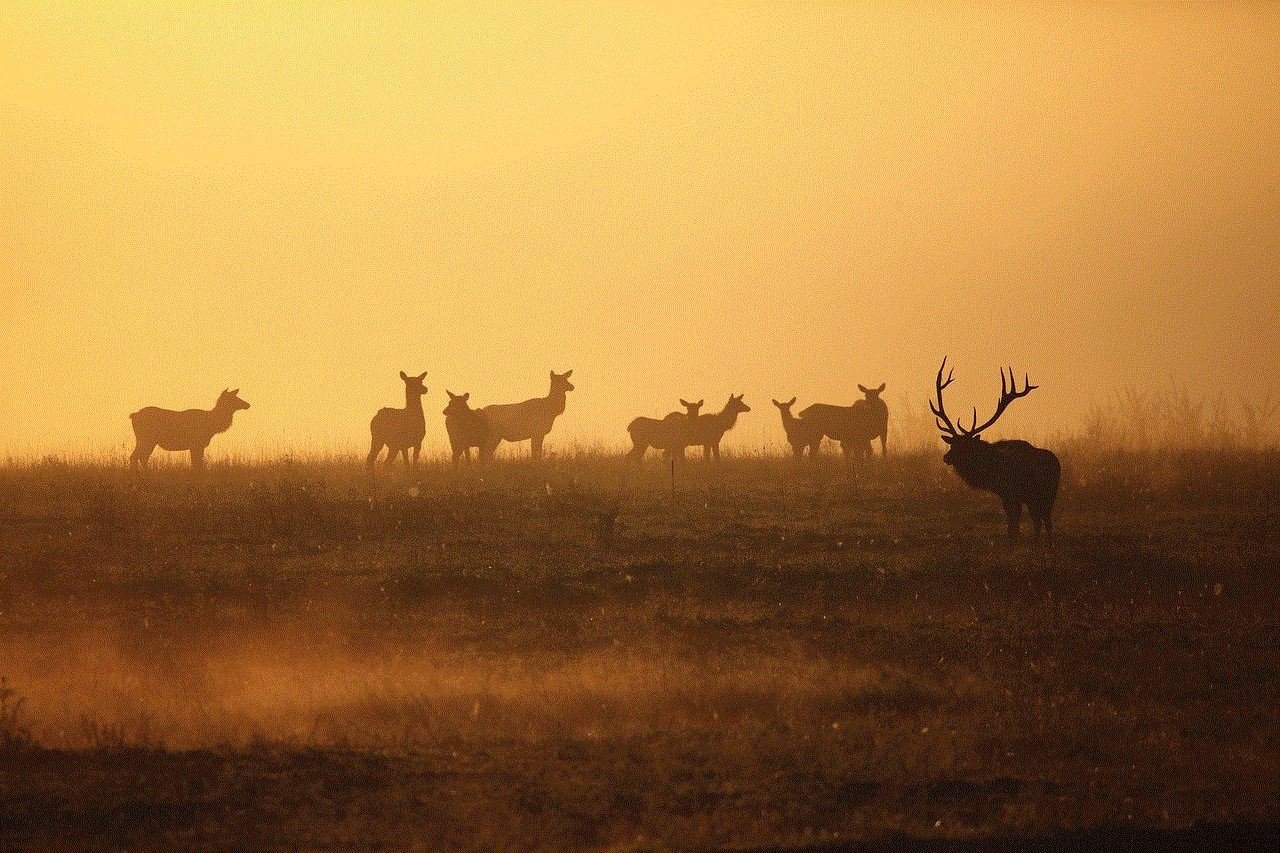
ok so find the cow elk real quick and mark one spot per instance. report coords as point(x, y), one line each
point(530, 420)
point(801, 433)
point(465, 426)
point(400, 430)
point(191, 429)
point(877, 415)
point(849, 425)
point(1014, 470)
point(707, 430)
point(671, 434)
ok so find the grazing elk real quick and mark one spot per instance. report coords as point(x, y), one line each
point(191, 429)
point(465, 425)
point(1017, 472)
point(400, 430)
point(531, 420)
point(671, 435)
point(707, 430)
point(877, 416)
point(800, 432)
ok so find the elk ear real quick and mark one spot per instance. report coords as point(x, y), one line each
point(466, 395)
point(863, 390)
point(423, 376)
point(567, 374)
point(452, 396)
point(881, 388)
point(685, 402)
point(792, 402)
point(949, 439)
point(700, 402)
point(779, 405)
point(404, 376)
point(235, 392)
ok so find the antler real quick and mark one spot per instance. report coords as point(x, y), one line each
point(939, 411)
point(1008, 393)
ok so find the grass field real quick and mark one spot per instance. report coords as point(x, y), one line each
point(767, 657)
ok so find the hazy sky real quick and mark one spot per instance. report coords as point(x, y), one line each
point(671, 200)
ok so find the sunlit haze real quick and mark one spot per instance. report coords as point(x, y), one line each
point(672, 201)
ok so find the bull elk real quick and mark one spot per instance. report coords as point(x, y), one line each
point(191, 429)
point(400, 430)
point(1016, 471)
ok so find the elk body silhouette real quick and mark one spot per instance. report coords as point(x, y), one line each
point(853, 426)
point(191, 429)
point(707, 430)
point(530, 420)
point(400, 430)
point(801, 433)
point(671, 435)
point(465, 425)
point(1016, 471)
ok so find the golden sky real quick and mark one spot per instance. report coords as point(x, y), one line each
point(672, 200)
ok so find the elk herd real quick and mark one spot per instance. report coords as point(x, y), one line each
point(1018, 473)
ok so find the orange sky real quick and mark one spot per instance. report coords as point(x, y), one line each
point(671, 200)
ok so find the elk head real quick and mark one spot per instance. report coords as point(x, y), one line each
point(735, 405)
point(231, 400)
point(560, 382)
point(786, 407)
point(413, 384)
point(967, 445)
point(872, 393)
point(457, 403)
point(691, 409)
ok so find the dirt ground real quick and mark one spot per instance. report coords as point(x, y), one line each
point(576, 657)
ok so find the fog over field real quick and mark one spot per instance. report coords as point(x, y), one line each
point(670, 200)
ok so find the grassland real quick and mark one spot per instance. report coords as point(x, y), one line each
point(566, 657)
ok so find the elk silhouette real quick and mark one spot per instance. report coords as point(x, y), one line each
point(671, 435)
point(191, 429)
point(877, 415)
point(707, 430)
point(1014, 470)
point(400, 430)
point(849, 425)
point(465, 425)
point(801, 433)
point(531, 420)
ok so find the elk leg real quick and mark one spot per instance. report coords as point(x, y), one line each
point(197, 457)
point(535, 447)
point(374, 449)
point(883, 451)
point(417, 448)
point(141, 453)
point(1013, 509)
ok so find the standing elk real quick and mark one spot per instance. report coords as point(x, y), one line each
point(707, 430)
point(191, 429)
point(801, 433)
point(1014, 470)
point(849, 425)
point(465, 425)
point(400, 430)
point(877, 416)
point(530, 420)
point(671, 435)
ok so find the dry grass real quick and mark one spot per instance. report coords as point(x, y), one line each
point(574, 657)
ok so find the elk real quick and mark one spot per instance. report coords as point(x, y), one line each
point(530, 420)
point(670, 435)
point(191, 429)
point(877, 416)
point(1014, 470)
point(849, 425)
point(800, 432)
point(400, 430)
point(707, 430)
point(465, 425)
